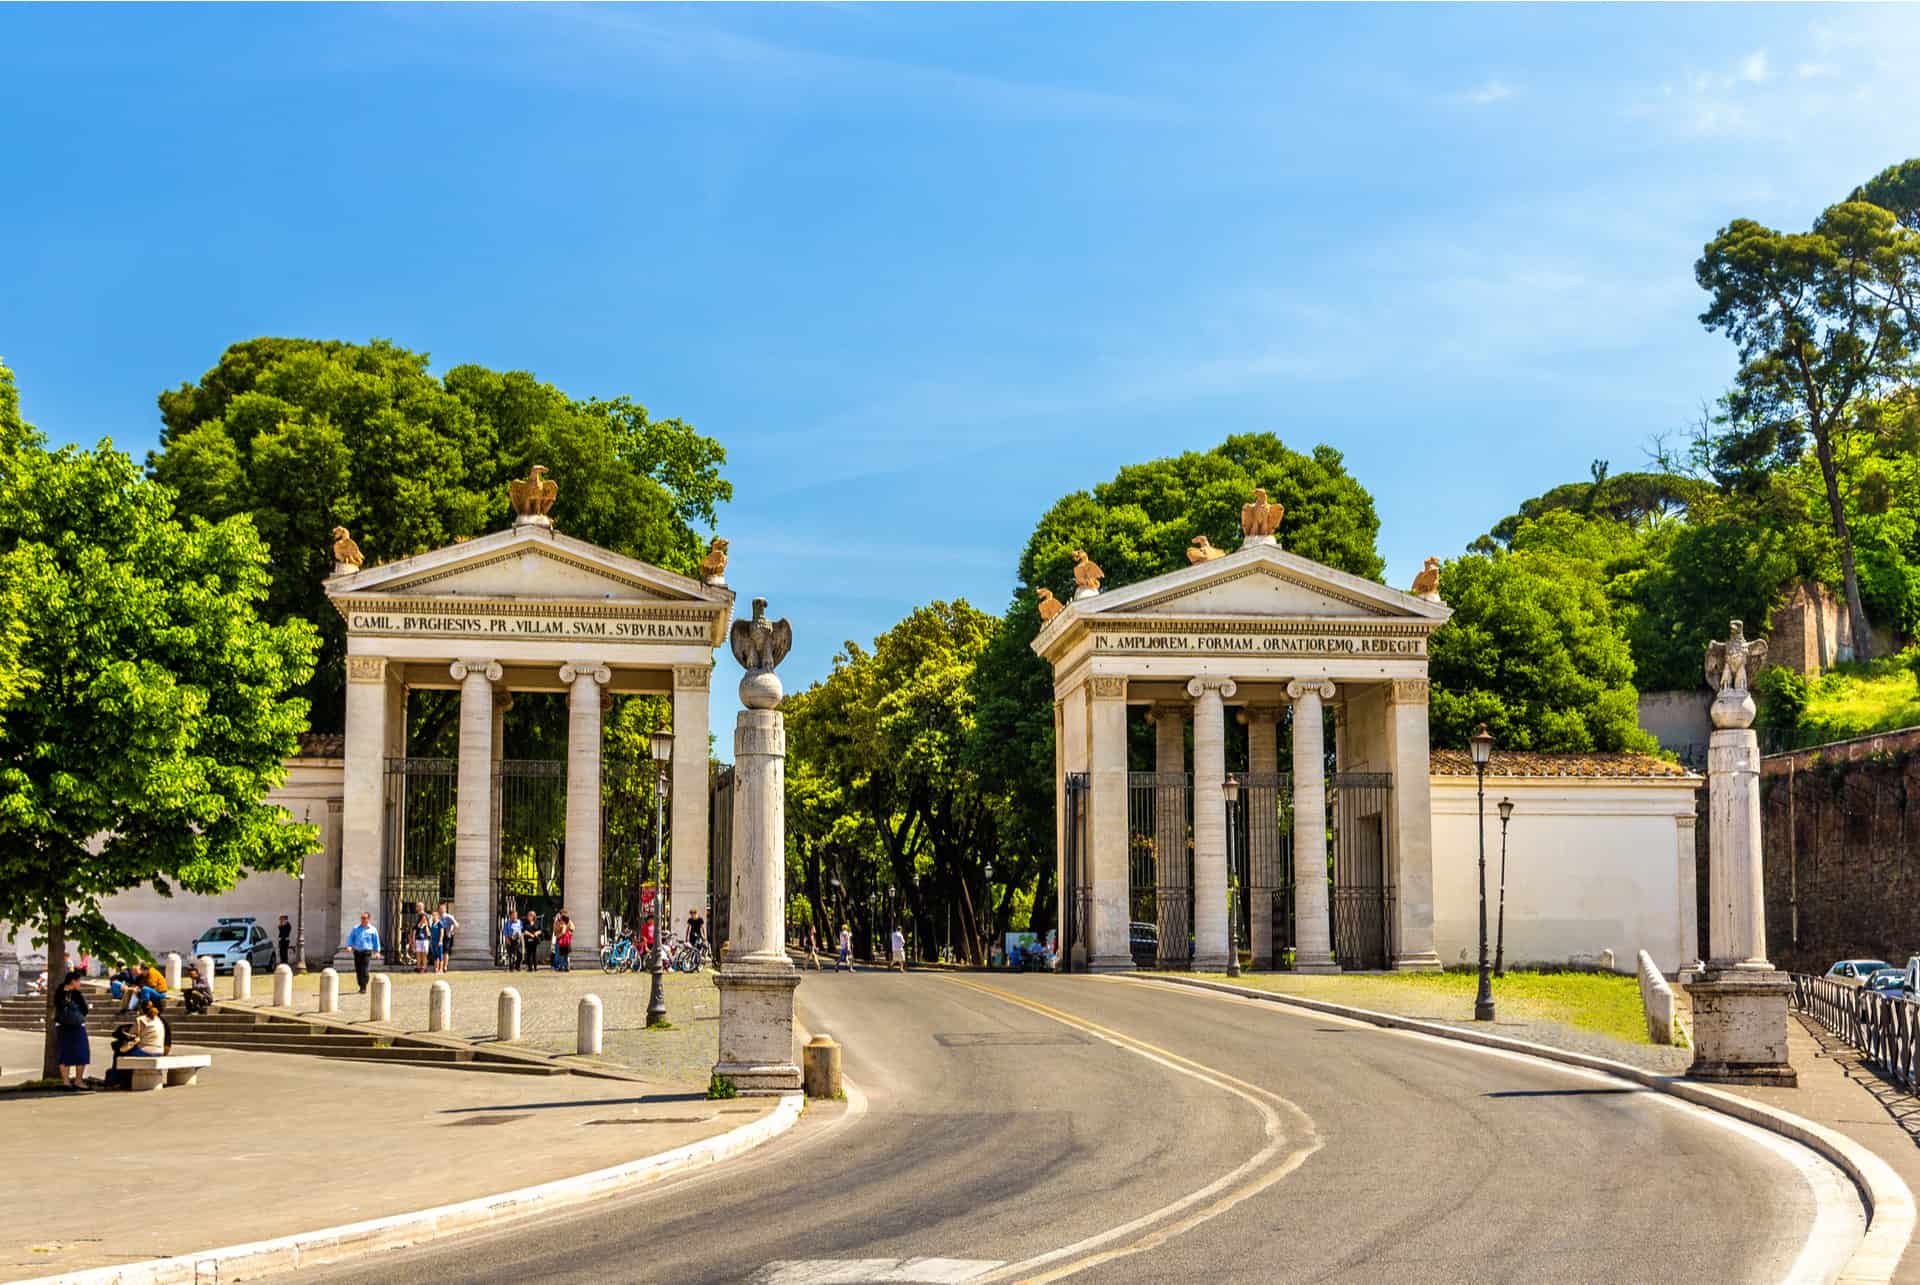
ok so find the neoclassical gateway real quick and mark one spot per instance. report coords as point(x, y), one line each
point(1270, 639)
point(522, 610)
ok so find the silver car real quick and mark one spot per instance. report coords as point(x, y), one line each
point(233, 939)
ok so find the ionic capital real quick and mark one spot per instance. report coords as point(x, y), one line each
point(1251, 714)
point(1301, 688)
point(1408, 691)
point(1106, 687)
point(366, 669)
point(592, 670)
point(488, 669)
point(1221, 687)
point(693, 678)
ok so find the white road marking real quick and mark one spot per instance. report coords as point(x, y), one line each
point(871, 1271)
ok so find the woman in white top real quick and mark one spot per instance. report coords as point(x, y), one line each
point(149, 1032)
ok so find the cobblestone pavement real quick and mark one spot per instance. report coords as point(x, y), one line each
point(549, 1007)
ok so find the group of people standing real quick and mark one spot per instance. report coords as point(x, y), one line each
point(520, 942)
point(843, 950)
point(433, 938)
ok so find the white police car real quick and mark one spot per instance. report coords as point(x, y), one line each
point(233, 939)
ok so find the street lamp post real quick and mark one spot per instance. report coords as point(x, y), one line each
point(1500, 933)
point(662, 747)
point(1481, 742)
point(1230, 789)
point(300, 913)
point(986, 920)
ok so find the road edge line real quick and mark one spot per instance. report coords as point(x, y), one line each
point(1888, 1200)
point(332, 1245)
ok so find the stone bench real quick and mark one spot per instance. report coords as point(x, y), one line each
point(173, 1069)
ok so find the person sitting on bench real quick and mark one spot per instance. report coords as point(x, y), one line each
point(150, 1037)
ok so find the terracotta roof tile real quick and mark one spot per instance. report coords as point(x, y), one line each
point(1540, 763)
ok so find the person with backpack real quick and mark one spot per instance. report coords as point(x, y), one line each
point(70, 1018)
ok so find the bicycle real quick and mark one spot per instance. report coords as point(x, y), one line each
point(621, 956)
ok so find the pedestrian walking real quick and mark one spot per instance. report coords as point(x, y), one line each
point(563, 943)
point(70, 1019)
point(510, 935)
point(363, 941)
point(813, 947)
point(422, 937)
point(845, 958)
point(898, 949)
point(286, 941)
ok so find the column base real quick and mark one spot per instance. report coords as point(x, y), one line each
point(1424, 961)
point(466, 961)
point(1740, 1028)
point(1111, 964)
point(1314, 962)
point(756, 1027)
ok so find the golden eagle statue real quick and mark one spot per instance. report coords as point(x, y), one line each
point(1203, 550)
point(1258, 519)
point(1427, 583)
point(532, 497)
point(1086, 573)
point(1050, 606)
point(713, 567)
point(345, 552)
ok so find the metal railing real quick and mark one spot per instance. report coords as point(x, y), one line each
point(1885, 1028)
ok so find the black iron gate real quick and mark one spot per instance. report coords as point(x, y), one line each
point(1076, 889)
point(1362, 896)
point(720, 856)
point(417, 868)
point(529, 838)
point(1262, 865)
point(629, 798)
point(1160, 869)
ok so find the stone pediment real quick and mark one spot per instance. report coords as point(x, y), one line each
point(1264, 582)
point(527, 564)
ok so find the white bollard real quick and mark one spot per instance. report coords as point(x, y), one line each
point(439, 1006)
point(283, 986)
point(172, 971)
point(588, 1035)
point(243, 980)
point(329, 990)
point(507, 1015)
point(380, 999)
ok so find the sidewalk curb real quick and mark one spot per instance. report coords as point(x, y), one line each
point(399, 1231)
point(1889, 1202)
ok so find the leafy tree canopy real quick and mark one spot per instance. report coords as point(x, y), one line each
point(1638, 500)
point(303, 435)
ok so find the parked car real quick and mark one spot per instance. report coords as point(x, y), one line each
point(1143, 940)
point(233, 939)
point(1887, 981)
point(1855, 971)
point(1912, 972)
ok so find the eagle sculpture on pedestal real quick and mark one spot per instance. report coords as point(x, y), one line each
point(1203, 551)
point(760, 644)
point(345, 552)
point(532, 496)
point(1086, 572)
point(1258, 518)
point(1729, 663)
point(1050, 606)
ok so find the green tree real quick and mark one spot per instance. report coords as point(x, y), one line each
point(1535, 649)
point(16, 435)
point(1824, 326)
point(163, 711)
point(302, 435)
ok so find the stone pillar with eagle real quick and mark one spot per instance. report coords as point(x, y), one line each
point(757, 979)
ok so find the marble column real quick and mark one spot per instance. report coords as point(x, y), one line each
point(1173, 892)
point(757, 981)
point(584, 680)
point(372, 722)
point(1263, 824)
point(1312, 930)
point(473, 899)
point(1210, 821)
point(1740, 1001)
point(1410, 828)
point(1109, 944)
point(687, 855)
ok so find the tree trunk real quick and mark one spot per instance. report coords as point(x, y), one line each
point(1843, 533)
point(56, 973)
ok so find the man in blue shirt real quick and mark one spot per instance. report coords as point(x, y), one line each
point(510, 931)
point(363, 940)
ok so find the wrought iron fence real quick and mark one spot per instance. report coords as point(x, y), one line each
point(1263, 833)
point(720, 855)
point(417, 865)
point(1160, 869)
point(1362, 893)
point(1078, 889)
point(1886, 1028)
point(629, 798)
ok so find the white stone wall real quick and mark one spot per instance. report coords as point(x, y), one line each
point(1593, 864)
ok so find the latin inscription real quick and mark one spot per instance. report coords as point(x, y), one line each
point(528, 627)
point(1199, 644)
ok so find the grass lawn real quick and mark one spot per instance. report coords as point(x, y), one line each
point(1854, 700)
point(1604, 1003)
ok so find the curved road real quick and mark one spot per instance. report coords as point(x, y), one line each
point(1033, 1127)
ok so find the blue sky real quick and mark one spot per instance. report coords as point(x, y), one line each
point(924, 269)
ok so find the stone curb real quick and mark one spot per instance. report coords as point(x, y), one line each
point(400, 1231)
point(1889, 1202)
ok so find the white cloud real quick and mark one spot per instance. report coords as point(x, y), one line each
point(1753, 68)
point(1491, 92)
point(1812, 70)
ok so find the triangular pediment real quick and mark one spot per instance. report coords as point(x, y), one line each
point(527, 564)
point(1257, 590)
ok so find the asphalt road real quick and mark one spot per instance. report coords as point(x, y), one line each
point(1031, 1127)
